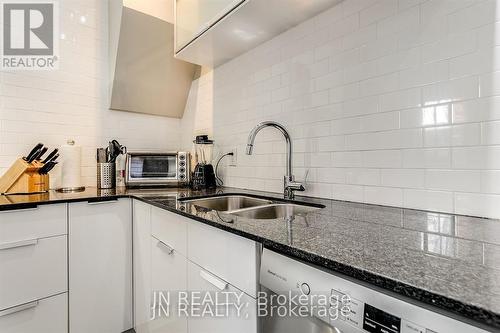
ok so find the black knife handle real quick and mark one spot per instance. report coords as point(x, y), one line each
point(51, 155)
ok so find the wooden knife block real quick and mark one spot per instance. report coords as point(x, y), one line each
point(23, 177)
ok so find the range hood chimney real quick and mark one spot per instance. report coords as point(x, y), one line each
point(144, 75)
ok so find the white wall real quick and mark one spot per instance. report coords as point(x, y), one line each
point(388, 102)
point(52, 106)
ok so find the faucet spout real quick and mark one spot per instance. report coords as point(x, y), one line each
point(290, 186)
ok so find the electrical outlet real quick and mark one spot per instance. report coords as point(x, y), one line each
point(233, 159)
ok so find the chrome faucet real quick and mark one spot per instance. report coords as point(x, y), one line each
point(289, 184)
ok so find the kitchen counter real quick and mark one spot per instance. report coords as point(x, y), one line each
point(451, 262)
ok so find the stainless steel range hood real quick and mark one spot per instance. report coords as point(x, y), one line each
point(144, 75)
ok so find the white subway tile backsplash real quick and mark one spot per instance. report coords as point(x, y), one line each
point(490, 84)
point(480, 13)
point(363, 176)
point(438, 158)
point(347, 159)
point(396, 24)
point(382, 159)
point(403, 178)
point(477, 204)
point(370, 123)
point(384, 195)
point(457, 135)
point(411, 138)
point(378, 11)
point(331, 175)
point(440, 201)
point(348, 192)
point(477, 110)
point(362, 106)
point(480, 157)
point(379, 85)
point(423, 75)
point(453, 180)
point(450, 91)
point(393, 102)
point(403, 99)
point(451, 46)
point(491, 133)
point(490, 181)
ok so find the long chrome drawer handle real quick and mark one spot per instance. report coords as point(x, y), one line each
point(28, 242)
point(170, 250)
point(219, 284)
point(18, 308)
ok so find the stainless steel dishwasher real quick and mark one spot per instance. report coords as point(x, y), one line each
point(352, 307)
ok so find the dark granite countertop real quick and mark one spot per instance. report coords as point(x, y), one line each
point(450, 262)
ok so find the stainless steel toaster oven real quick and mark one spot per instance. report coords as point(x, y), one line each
point(145, 169)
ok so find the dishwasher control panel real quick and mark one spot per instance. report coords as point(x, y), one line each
point(358, 309)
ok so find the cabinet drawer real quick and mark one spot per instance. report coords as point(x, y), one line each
point(170, 228)
point(201, 282)
point(49, 315)
point(231, 257)
point(35, 270)
point(40, 222)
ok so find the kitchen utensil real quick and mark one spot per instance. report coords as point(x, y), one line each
point(47, 167)
point(44, 150)
point(35, 155)
point(106, 175)
point(51, 156)
point(53, 159)
point(114, 150)
point(33, 152)
point(101, 155)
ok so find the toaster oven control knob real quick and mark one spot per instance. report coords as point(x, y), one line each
point(182, 157)
point(182, 163)
point(182, 177)
point(305, 289)
point(182, 169)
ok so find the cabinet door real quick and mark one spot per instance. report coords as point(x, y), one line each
point(201, 283)
point(142, 265)
point(100, 266)
point(169, 277)
point(192, 18)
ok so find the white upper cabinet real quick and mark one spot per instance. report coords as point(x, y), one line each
point(212, 32)
point(195, 16)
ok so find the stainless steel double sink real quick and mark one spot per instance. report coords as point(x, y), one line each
point(251, 207)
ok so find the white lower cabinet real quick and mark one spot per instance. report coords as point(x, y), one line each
point(169, 279)
point(100, 266)
point(33, 270)
point(186, 256)
point(48, 315)
point(229, 309)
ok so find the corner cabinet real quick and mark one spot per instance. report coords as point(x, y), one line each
point(174, 254)
point(213, 32)
point(100, 266)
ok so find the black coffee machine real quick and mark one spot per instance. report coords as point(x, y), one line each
point(203, 175)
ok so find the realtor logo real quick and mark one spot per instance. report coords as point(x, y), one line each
point(29, 36)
